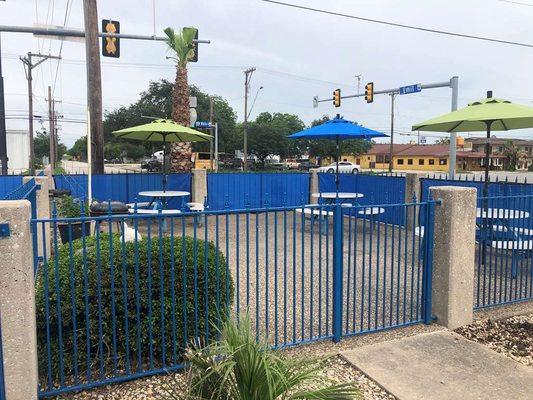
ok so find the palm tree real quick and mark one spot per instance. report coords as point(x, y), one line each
point(182, 45)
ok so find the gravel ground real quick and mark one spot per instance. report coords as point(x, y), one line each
point(335, 369)
point(510, 336)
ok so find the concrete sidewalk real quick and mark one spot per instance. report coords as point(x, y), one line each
point(443, 365)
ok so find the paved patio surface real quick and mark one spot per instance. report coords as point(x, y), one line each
point(442, 365)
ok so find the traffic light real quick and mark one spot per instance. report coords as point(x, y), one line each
point(110, 45)
point(369, 92)
point(193, 45)
point(337, 97)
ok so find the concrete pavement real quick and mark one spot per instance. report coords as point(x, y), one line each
point(442, 366)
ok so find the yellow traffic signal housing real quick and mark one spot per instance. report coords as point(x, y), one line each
point(369, 92)
point(337, 97)
point(110, 45)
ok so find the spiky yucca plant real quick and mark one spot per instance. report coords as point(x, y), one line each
point(181, 44)
point(238, 367)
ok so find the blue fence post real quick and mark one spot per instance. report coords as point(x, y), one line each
point(2, 382)
point(337, 272)
point(428, 265)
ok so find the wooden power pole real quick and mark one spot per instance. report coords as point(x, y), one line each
point(94, 86)
point(247, 77)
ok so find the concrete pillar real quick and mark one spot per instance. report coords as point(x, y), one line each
point(453, 256)
point(313, 186)
point(17, 303)
point(199, 185)
point(43, 211)
point(412, 188)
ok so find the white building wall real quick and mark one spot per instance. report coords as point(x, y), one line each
point(18, 149)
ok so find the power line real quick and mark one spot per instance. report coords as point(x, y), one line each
point(517, 2)
point(398, 25)
point(65, 21)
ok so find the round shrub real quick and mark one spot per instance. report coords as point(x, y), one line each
point(105, 306)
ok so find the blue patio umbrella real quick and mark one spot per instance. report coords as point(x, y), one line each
point(337, 129)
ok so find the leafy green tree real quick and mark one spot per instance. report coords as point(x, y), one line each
point(41, 146)
point(79, 149)
point(267, 135)
point(156, 102)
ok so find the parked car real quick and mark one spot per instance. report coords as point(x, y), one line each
point(306, 165)
point(345, 167)
point(152, 165)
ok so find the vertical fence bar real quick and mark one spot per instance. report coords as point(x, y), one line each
point(428, 264)
point(337, 271)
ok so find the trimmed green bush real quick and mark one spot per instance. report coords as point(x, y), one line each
point(107, 288)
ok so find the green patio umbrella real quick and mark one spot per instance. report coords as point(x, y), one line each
point(162, 130)
point(488, 115)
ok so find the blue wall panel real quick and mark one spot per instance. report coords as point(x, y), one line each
point(8, 183)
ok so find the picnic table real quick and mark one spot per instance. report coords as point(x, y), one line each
point(331, 197)
point(162, 195)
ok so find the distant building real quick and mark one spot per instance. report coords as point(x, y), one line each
point(18, 150)
point(498, 158)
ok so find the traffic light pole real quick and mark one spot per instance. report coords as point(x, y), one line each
point(453, 83)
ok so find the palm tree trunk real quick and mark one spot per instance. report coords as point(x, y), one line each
point(181, 152)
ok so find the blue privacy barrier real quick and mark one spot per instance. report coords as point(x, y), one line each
point(122, 187)
point(8, 183)
point(501, 188)
point(241, 190)
point(376, 189)
point(504, 255)
point(127, 300)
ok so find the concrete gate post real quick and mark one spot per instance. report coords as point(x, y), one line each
point(313, 185)
point(453, 255)
point(412, 188)
point(17, 302)
point(199, 185)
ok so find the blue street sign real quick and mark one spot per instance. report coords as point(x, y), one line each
point(411, 89)
point(203, 124)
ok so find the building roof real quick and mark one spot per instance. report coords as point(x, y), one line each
point(497, 140)
point(384, 148)
point(435, 150)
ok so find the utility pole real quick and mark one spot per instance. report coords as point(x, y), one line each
point(454, 83)
point(51, 130)
point(391, 145)
point(94, 86)
point(247, 78)
point(211, 101)
point(28, 68)
point(3, 133)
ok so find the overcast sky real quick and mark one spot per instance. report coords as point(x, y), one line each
point(298, 54)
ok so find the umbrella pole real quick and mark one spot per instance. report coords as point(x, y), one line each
point(485, 206)
point(487, 161)
point(164, 163)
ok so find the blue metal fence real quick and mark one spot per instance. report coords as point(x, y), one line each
point(125, 301)
point(497, 188)
point(253, 190)
point(504, 256)
point(120, 187)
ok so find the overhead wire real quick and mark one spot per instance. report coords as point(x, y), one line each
point(400, 25)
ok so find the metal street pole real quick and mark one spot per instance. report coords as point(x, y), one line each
point(51, 130)
point(3, 133)
point(211, 123)
point(247, 77)
point(391, 145)
point(454, 83)
point(216, 146)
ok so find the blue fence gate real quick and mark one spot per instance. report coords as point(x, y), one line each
point(122, 296)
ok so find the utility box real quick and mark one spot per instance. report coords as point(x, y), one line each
point(18, 149)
